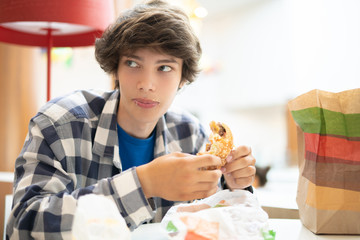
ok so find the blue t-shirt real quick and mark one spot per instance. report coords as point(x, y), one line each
point(134, 151)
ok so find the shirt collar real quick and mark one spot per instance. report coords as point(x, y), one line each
point(105, 140)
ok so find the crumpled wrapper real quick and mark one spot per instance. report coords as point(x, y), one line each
point(97, 218)
point(241, 218)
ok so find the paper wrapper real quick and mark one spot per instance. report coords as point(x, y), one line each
point(97, 218)
point(243, 219)
point(328, 193)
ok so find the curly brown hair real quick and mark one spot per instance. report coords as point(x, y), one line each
point(157, 25)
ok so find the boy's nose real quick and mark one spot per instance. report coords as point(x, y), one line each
point(146, 83)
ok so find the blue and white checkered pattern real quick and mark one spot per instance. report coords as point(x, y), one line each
point(72, 150)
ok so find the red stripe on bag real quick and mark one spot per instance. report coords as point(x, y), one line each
point(330, 147)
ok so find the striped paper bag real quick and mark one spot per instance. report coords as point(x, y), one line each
point(328, 193)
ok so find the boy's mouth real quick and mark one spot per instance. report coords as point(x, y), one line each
point(145, 103)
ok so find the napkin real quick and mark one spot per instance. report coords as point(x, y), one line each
point(97, 218)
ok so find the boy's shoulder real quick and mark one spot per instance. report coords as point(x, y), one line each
point(181, 120)
point(78, 104)
point(180, 116)
point(184, 132)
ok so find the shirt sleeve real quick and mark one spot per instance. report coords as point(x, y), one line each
point(46, 192)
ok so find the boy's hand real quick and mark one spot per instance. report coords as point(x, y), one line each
point(239, 171)
point(177, 177)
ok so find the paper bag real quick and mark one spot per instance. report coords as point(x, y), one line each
point(328, 194)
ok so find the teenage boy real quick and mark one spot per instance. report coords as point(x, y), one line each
point(123, 144)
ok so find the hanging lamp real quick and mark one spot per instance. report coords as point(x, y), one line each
point(54, 23)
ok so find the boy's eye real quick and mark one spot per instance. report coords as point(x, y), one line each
point(131, 63)
point(165, 68)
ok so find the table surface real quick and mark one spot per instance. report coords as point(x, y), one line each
point(285, 229)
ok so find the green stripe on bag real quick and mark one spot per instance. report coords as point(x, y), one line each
point(323, 121)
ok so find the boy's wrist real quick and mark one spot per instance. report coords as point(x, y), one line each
point(141, 171)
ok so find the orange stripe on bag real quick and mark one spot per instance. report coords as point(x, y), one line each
point(326, 198)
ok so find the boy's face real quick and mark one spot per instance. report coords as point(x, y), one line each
point(148, 83)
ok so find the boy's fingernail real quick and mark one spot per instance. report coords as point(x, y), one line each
point(229, 158)
point(223, 170)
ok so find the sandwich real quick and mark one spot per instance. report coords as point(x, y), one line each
point(221, 143)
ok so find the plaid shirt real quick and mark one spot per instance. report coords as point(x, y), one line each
point(72, 150)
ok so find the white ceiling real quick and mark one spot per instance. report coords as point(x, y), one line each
point(219, 7)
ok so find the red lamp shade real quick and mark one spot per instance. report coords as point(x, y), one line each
point(54, 23)
point(74, 23)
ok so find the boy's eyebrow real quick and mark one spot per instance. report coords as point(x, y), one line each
point(134, 56)
point(166, 60)
point(169, 60)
